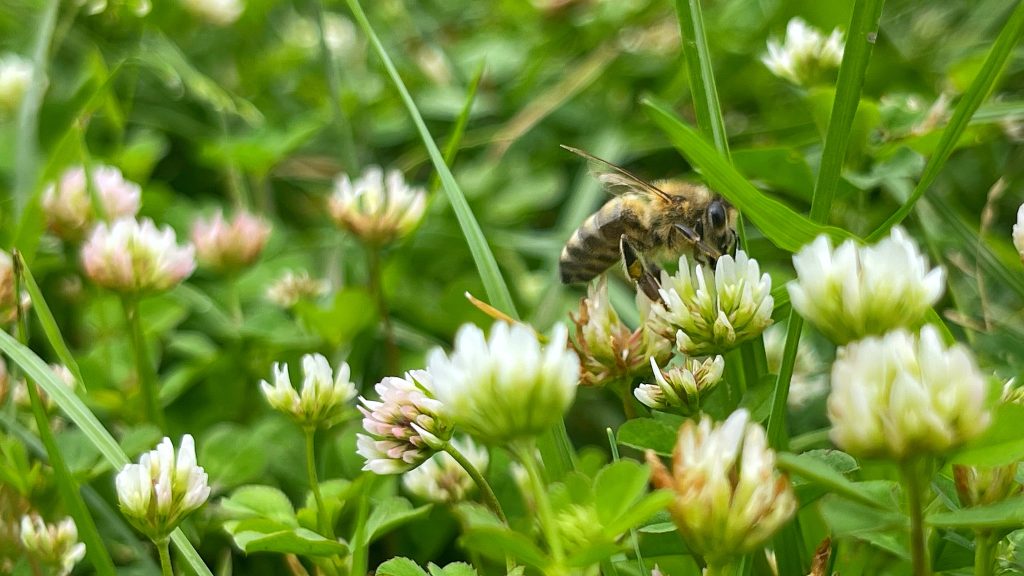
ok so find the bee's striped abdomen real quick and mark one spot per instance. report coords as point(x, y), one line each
point(594, 247)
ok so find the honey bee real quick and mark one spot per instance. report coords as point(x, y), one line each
point(644, 222)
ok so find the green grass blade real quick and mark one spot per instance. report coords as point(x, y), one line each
point(979, 90)
point(451, 148)
point(859, 41)
point(784, 227)
point(494, 284)
point(72, 407)
point(703, 88)
point(342, 122)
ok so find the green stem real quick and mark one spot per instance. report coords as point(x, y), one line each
point(485, 489)
point(376, 285)
point(525, 454)
point(323, 524)
point(143, 365)
point(912, 472)
point(984, 553)
point(725, 569)
point(163, 546)
point(359, 545)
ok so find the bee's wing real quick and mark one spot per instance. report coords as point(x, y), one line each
point(616, 177)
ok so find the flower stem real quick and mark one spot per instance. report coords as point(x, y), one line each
point(163, 546)
point(726, 569)
point(144, 368)
point(912, 473)
point(485, 489)
point(376, 286)
point(984, 547)
point(323, 524)
point(525, 453)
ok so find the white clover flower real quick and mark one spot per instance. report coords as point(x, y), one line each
point(713, 313)
point(9, 301)
point(506, 387)
point(160, 491)
point(442, 479)
point(135, 257)
point(53, 545)
point(216, 12)
point(1018, 232)
point(293, 287)
point(608, 349)
point(681, 386)
point(229, 246)
point(806, 56)
point(15, 79)
point(323, 397)
point(378, 209)
point(405, 427)
point(729, 498)
point(901, 396)
point(857, 291)
point(68, 206)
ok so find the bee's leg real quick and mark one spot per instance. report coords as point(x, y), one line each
point(702, 251)
point(643, 277)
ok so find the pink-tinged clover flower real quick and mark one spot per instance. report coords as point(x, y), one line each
point(135, 257)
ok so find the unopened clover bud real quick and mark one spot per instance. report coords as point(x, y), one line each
point(608, 349)
point(160, 491)
point(1018, 232)
point(405, 426)
point(681, 386)
point(229, 246)
point(442, 479)
point(216, 12)
point(506, 387)
point(806, 57)
point(55, 546)
point(15, 79)
point(135, 257)
point(902, 396)
point(979, 486)
point(857, 291)
point(69, 207)
point(715, 312)
point(324, 394)
point(730, 499)
point(376, 208)
point(293, 287)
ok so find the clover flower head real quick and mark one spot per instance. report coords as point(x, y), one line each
point(806, 56)
point(216, 12)
point(729, 497)
point(69, 207)
point(857, 291)
point(405, 427)
point(135, 257)
point(505, 387)
point(377, 208)
point(682, 386)
point(1018, 232)
point(293, 287)
point(903, 395)
point(227, 246)
point(323, 397)
point(713, 312)
point(161, 490)
point(53, 545)
point(9, 301)
point(442, 479)
point(15, 79)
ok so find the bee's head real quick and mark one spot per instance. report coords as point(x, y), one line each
point(718, 228)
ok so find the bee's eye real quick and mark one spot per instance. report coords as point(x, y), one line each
point(716, 212)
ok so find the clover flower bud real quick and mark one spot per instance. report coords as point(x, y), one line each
point(579, 526)
point(681, 386)
point(55, 546)
point(405, 427)
point(216, 12)
point(852, 292)
point(9, 301)
point(293, 287)
point(377, 209)
point(1018, 232)
point(69, 207)
point(323, 396)
point(442, 479)
point(715, 312)
point(507, 387)
point(135, 257)
point(729, 497)
point(979, 486)
point(156, 494)
point(225, 246)
point(15, 79)
point(806, 56)
point(608, 349)
point(901, 396)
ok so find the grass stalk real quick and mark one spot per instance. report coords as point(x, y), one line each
point(342, 123)
point(545, 515)
point(703, 88)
